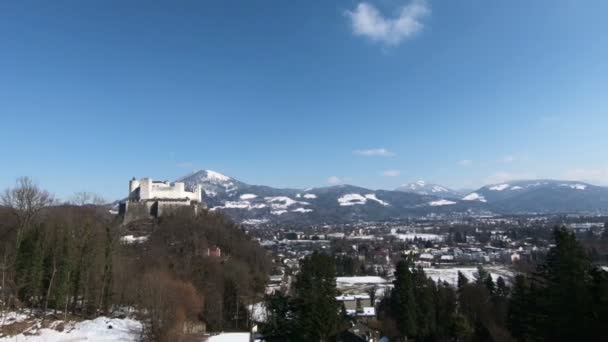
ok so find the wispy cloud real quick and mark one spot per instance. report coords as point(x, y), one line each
point(596, 176)
point(465, 162)
point(391, 173)
point(374, 152)
point(367, 21)
point(334, 180)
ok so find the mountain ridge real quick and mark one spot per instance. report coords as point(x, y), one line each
point(348, 203)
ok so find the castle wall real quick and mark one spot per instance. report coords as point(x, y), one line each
point(148, 198)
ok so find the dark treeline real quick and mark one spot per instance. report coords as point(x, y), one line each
point(69, 259)
point(564, 299)
point(312, 312)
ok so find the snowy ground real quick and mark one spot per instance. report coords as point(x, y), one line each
point(360, 280)
point(450, 275)
point(101, 329)
point(258, 312)
point(230, 337)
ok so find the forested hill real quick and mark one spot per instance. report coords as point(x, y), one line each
point(74, 259)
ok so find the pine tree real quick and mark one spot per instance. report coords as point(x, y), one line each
point(567, 301)
point(481, 275)
point(462, 280)
point(521, 319)
point(489, 284)
point(316, 309)
point(502, 290)
point(29, 266)
point(403, 301)
point(279, 323)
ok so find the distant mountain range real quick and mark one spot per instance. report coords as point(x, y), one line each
point(423, 188)
point(255, 204)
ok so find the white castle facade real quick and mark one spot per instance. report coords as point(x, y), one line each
point(150, 198)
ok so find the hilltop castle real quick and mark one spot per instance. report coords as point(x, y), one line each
point(150, 199)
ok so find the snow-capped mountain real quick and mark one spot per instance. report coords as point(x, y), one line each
point(423, 188)
point(542, 196)
point(341, 203)
point(248, 203)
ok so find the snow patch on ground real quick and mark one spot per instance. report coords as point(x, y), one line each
point(499, 187)
point(90, 330)
point(310, 196)
point(255, 221)
point(131, 239)
point(351, 199)
point(248, 196)
point(450, 275)
point(230, 337)
point(441, 202)
point(575, 186)
point(302, 210)
point(278, 212)
point(237, 204)
point(374, 198)
point(258, 312)
point(217, 176)
point(361, 280)
point(282, 202)
point(474, 197)
point(438, 188)
point(7, 318)
point(517, 187)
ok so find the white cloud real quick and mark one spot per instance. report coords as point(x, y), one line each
point(391, 173)
point(465, 162)
point(334, 180)
point(597, 176)
point(501, 177)
point(373, 152)
point(368, 22)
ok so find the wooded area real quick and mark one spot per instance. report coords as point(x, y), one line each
point(70, 259)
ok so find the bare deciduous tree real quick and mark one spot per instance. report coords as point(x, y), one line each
point(26, 200)
point(85, 198)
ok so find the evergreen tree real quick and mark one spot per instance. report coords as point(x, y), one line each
point(481, 275)
point(502, 290)
point(29, 266)
point(489, 284)
point(462, 280)
point(279, 323)
point(403, 301)
point(425, 292)
point(521, 319)
point(316, 309)
point(566, 299)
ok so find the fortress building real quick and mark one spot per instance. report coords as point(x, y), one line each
point(150, 199)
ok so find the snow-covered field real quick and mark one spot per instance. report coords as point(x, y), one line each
point(230, 337)
point(450, 275)
point(441, 202)
point(101, 329)
point(357, 199)
point(361, 280)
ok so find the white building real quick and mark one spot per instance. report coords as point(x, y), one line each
point(150, 198)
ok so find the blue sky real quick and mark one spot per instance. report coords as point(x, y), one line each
point(302, 93)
